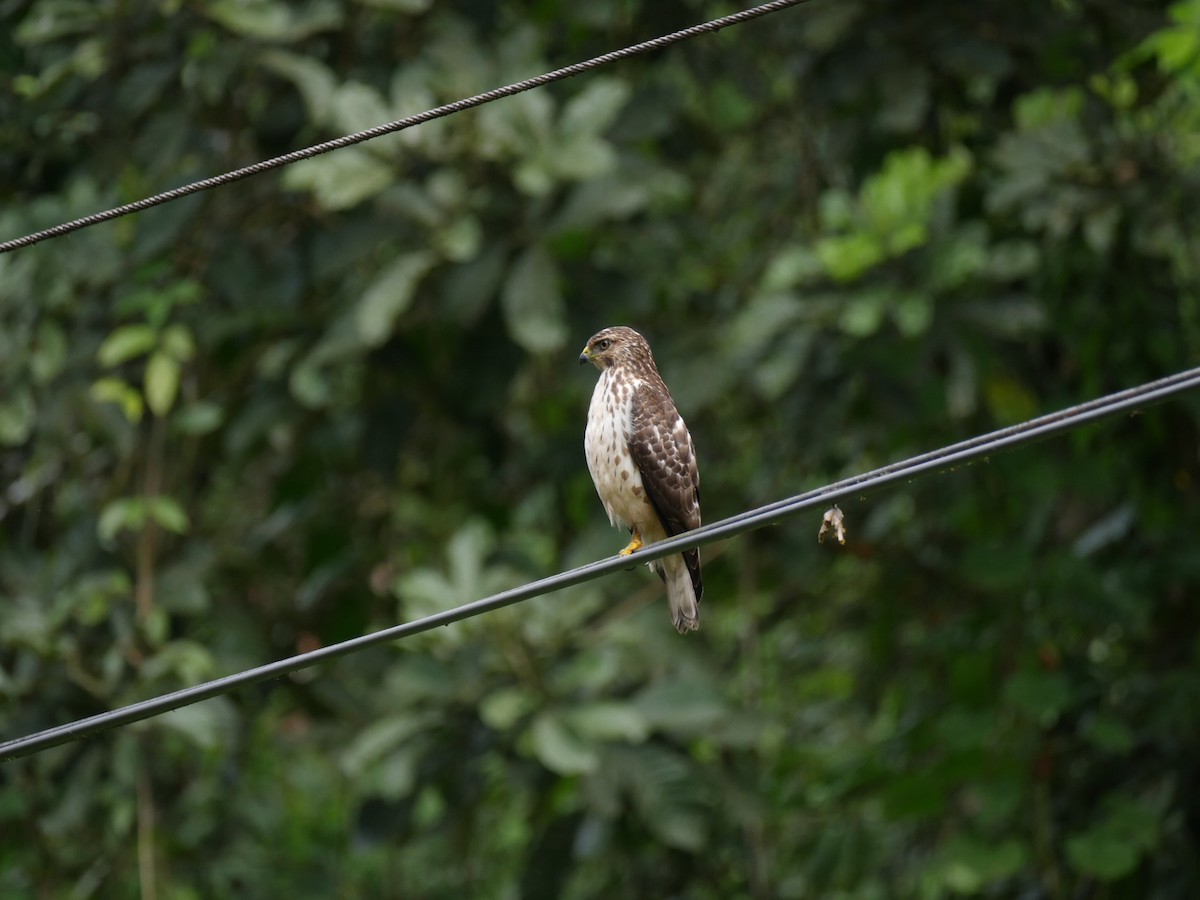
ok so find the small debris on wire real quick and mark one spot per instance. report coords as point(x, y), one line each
point(834, 520)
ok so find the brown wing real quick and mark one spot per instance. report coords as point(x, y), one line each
point(662, 450)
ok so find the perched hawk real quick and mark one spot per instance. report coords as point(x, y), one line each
point(642, 462)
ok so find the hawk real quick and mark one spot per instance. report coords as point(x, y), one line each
point(642, 462)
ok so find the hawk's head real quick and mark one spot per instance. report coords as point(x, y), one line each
point(616, 346)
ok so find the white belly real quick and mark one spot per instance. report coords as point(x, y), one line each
point(617, 479)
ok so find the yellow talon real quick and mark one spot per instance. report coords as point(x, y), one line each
point(635, 544)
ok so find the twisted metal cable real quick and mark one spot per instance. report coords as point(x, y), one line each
point(770, 514)
point(400, 124)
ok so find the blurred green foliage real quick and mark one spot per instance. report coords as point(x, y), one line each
point(277, 415)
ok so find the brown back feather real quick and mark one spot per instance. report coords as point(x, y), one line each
point(666, 460)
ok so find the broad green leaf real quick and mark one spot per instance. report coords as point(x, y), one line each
point(114, 390)
point(667, 794)
point(96, 595)
point(396, 774)
point(177, 343)
point(892, 213)
point(897, 201)
point(518, 126)
point(209, 725)
point(55, 21)
point(1102, 855)
point(1009, 400)
point(199, 418)
point(617, 196)
point(680, 828)
point(912, 314)
point(916, 796)
point(760, 323)
point(1107, 530)
point(412, 7)
point(583, 157)
point(425, 591)
point(468, 288)
point(682, 705)
point(729, 107)
point(167, 512)
point(341, 179)
point(1175, 48)
point(959, 258)
point(460, 239)
point(968, 865)
point(1113, 846)
point(187, 661)
point(125, 513)
point(532, 303)
point(1118, 89)
point(1009, 317)
point(154, 627)
point(502, 709)
point(1110, 733)
point(314, 80)
point(776, 371)
point(155, 304)
point(379, 740)
point(594, 108)
point(792, 266)
point(1046, 106)
point(411, 93)
point(358, 106)
point(838, 211)
point(127, 342)
point(1010, 260)
point(259, 18)
point(310, 384)
point(1039, 694)
point(906, 236)
point(863, 313)
point(559, 748)
point(389, 296)
point(1100, 228)
point(849, 258)
point(273, 20)
point(49, 354)
point(608, 721)
point(18, 414)
point(162, 383)
point(535, 175)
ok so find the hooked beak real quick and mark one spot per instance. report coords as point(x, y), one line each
point(585, 357)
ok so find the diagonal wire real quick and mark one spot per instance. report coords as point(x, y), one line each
point(946, 457)
point(400, 124)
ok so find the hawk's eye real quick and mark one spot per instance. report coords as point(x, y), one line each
point(603, 345)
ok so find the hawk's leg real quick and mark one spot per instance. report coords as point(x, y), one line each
point(635, 543)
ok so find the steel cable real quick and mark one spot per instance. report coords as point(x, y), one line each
point(770, 514)
point(398, 125)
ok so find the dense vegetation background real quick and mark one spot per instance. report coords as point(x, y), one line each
point(278, 415)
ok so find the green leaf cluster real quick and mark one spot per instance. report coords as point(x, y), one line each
point(274, 416)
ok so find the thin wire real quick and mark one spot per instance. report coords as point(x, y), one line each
point(400, 124)
point(1042, 426)
point(947, 457)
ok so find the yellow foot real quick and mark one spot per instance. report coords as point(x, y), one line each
point(635, 544)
